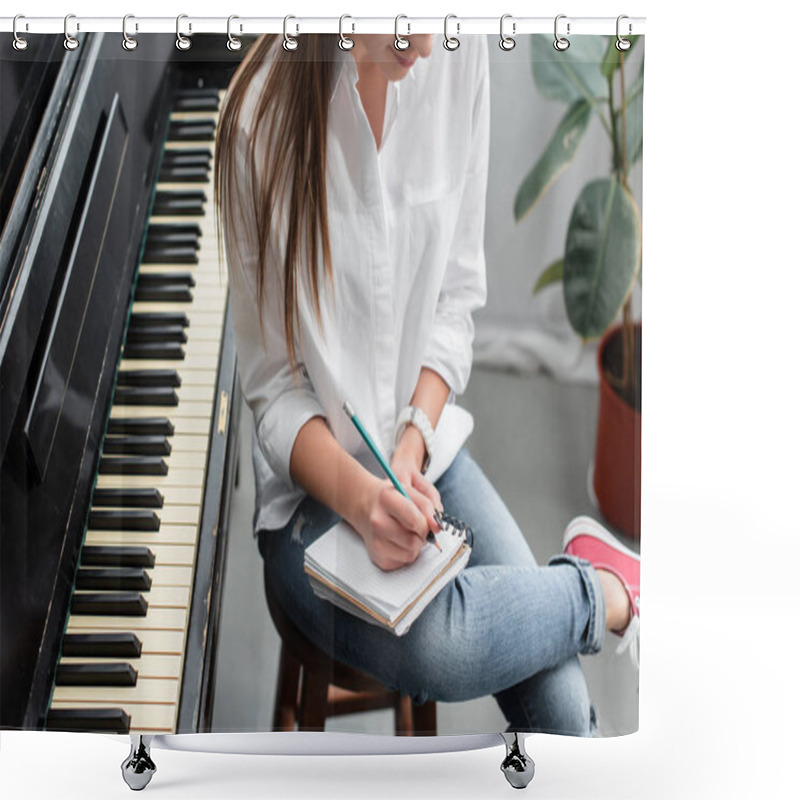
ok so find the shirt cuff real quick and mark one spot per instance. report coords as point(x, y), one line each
point(449, 353)
point(279, 426)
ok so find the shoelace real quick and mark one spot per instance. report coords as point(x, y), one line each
point(630, 641)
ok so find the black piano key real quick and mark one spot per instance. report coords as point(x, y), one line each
point(169, 254)
point(117, 556)
point(197, 103)
point(184, 175)
point(197, 91)
point(164, 378)
point(123, 519)
point(145, 396)
point(158, 319)
point(191, 130)
point(174, 238)
point(133, 465)
point(113, 579)
point(109, 720)
point(179, 203)
point(163, 294)
point(166, 231)
point(115, 604)
point(167, 333)
point(127, 498)
point(160, 278)
point(136, 446)
point(101, 645)
point(158, 351)
point(187, 156)
point(144, 426)
point(97, 674)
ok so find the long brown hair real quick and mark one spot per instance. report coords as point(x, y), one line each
point(293, 103)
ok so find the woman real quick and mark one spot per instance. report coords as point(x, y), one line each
point(352, 194)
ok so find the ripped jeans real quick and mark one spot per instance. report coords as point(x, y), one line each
point(504, 626)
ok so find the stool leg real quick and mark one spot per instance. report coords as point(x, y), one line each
point(138, 768)
point(424, 719)
point(285, 715)
point(313, 702)
point(518, 766)
point(403, 715)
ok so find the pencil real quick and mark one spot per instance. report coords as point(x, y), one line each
point(348, 409)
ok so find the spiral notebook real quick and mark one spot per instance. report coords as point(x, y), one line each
point(341, 571)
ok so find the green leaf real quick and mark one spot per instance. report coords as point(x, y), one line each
point(571, 75)
point(553, 274)
point(558, 155)
point(634, 119)
point(611, 58)
point(602, 256)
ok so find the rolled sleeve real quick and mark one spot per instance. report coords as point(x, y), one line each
point(449, 349)
point(281, 402)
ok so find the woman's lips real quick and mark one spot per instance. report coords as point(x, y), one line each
point(407, 63)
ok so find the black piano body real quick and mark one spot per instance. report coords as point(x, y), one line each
point(83, 135)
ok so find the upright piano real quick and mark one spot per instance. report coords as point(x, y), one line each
point(118, 401)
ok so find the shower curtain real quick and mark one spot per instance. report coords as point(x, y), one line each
point(204, 529)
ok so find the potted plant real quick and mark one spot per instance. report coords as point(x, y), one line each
point(602, 254)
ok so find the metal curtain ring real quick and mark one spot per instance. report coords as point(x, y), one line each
point(623, 44)
point(19, 43)
point(561, 44)
point(451, 42)
point(181, 41)
point(345, 43)
point(289, 42)
point(233, 43)
point(70, 42)
point(507, 42)
point(400, 42)
point(128, 42)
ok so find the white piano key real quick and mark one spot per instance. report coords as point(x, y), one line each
point(146, 666)
point(147, 690)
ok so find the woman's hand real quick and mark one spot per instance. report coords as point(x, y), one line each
point(406, 464)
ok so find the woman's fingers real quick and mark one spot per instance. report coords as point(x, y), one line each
point(425, 487)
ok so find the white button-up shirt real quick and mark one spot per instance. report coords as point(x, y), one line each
point(406, 226)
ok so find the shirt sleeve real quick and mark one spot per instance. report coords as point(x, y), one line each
point(281, 402)
point(449, 350)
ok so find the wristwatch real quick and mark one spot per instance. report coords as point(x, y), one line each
point(412, 415)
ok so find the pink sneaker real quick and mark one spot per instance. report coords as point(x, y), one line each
point(587, 539)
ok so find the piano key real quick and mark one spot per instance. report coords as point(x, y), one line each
point(170, 254)
point(118, 604)
point(148, 377)
point(144, 426)
point(133, 465)
point(137, 446)
point(149, 641)
point(172, 236)
point(161, 278)
point(147, 690)
point(168, 293)
point(159, 319)
point(183, 514)
point(166, 333)
point(173, 534)
point(129, 556)
point(197, 103)
point(196, 130)
point(147, 666)
point(110, 720)
point(176, 478)
point(157, 619)
point(183, 409)
point(191, 156)
point(110, 645)
point(95, 674)
point(144, 718)
point(164, 396)
point(154, 351)
point(137, 498)
point(113, 579)
point(123, 519)
point(198, 174)
point(179, 203)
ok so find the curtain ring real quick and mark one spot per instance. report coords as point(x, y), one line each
point(128, 42)
point(182, 42)
point(233, 44)
point(561, 43)
point(451, 42)
point(70, 42)
point(400, 42)
point(623, 44)
point(345, 43)
point(19, 43)
point(507, 42)
point(289, 42)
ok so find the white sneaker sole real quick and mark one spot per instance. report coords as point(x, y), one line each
point(586, 525)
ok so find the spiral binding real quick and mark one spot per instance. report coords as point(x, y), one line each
point(454, 526)
point(183, 42)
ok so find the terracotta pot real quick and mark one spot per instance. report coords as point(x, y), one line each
point(618, 449)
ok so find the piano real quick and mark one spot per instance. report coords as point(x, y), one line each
point(118, 398)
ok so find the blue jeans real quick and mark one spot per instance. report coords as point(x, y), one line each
point(505, 626)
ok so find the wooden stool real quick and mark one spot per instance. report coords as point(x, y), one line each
point(312, 687)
